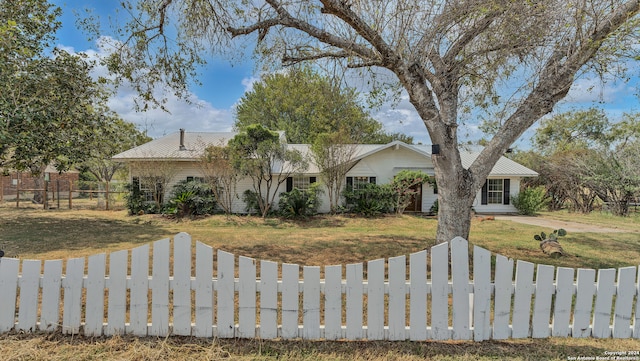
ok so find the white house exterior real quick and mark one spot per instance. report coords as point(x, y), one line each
point(179, 154)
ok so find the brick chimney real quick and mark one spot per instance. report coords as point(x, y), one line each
point(182, 147)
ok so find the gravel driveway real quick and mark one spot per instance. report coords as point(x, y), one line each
point(553, 224)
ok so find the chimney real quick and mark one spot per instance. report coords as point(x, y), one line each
point(182, 147)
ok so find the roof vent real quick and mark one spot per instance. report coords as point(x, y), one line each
point(182, 147)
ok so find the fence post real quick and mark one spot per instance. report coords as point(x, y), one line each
point(18, 191)
point(70, 192)
point(106, 196)
point(45, 199)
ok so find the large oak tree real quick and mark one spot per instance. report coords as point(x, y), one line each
point(514, 60)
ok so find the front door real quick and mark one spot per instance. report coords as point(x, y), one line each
point(415, 205)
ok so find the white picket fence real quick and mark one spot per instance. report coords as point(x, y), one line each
point(280, 302)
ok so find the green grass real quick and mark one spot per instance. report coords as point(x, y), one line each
point(324, 240)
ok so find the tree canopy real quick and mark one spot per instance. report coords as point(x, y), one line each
point(303, 104)
point(509, 60)
point(49, 103)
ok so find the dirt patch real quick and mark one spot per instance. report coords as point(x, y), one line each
point(555, 224)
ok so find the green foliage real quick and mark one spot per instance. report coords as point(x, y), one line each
point(191, 198)
point(136, 202)
point(550, 237)
point(50, 106)
point(282, 101)
point(530, 200)
point(251, 201)
point(434, 207)
point(403, 185)
point(370, 199)
point(300, 203)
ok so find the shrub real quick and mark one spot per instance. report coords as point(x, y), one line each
point(370, 200)
point(403, 185)
point(191, 198)
point(434, 208)
point(136, 201)
point(250, 199)
point(298, 203)
point(530, 200)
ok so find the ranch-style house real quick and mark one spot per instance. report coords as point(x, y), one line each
point(372, 163)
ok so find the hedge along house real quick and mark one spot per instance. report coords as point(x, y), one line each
point(176, 157)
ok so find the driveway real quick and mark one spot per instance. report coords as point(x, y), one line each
point(554, 224)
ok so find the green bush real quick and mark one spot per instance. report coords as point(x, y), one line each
point(370, 200)
point(136, 202)
point(434, 208)
point(530, 200)
point(191, 198)
point(250, 199)
point(297, 203)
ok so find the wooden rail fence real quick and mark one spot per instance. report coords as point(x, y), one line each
point(430, 297)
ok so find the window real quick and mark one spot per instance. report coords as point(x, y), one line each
point(355, 183)
point(148, 192)
point(197, 179)
point(496, 191)
point(302, 183)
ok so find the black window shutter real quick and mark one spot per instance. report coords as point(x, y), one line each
point(289, 184)
point(349, 183)
point(135, 182)
point(505, 191)
point(312, 180)
point(372, 180)
point(485, 194)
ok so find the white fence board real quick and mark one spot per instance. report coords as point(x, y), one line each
point(268, 300)
point(562, 306)
point(50, 309)
point(440, 292)
point(95, 295)
point(460, 279)
point(418, 296)
point(29, 291)
point(225, 295)
point(182, 285)
point(605, 289)
point(481, 294)
point(290, 300)
point(580, 309)
point(375, 299)
point(542, 302)
point(397, 298)
point(311, 303)
point(503, 291)
point(139, 290)
point(160, 289)
point(247, 298)
point(583, 304)
point(624, 303)
point(354, 301)
point(522, 299)
point(117, 289)
point(204, 291)
point(72, 285)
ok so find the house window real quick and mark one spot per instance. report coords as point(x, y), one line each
point(355, 183)
point(302, 183)
point(496, 191)
point(197, 179)
point(147, 191)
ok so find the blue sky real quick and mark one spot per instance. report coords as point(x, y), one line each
point(225, 83)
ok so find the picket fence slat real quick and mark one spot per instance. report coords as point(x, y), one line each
point(503, 291)
point(182, 285)
point(95, 295)
point(354, 301)
point(544, 289)
point(160, 289)
point(290, 300)
point(375, 299)
point(247, 298)
point(418, 296)
point(440, 292)
point(117, 308)
point(585, 288)
point(204, 291)
point(268, 299)
point(72, 285)
point(397, 298)
point(224, 293)
point(604, 300)
point(624, 303)
point(563, 300)
point(138, 310)
point(481, 294)
point(50, 309)
point(29, 289)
